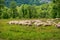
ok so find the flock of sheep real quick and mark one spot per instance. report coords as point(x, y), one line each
point(48, 22)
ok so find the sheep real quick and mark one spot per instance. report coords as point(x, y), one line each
point(27, 21)
point(57, 18)
point(58, 25)
point(47, 24)
point(29, 24)
point(33, 21)
point(54, 23)
point(38, 24)
point(15, 22)
point(51, 22)
point(11, 22)
point(24, 23)
point(20, 22)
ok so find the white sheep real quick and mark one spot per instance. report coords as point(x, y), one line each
point(38, 24)
point(57, 18)
point(47, 24)
point(11, 22)
point(33, 21)
point(29, 24)
point(20, 22)
point(15, 22)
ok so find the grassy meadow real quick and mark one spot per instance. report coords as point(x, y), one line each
point(20, 32)
point(12, 10)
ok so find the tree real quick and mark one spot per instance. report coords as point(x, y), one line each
point(5, 14)
point(2, 2)
point(57, 7)
point(13, 8)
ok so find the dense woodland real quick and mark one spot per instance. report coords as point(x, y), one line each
point(46, 10)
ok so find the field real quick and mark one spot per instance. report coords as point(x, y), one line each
point(19, 32)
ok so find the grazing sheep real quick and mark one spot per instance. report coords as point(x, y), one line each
point(38, 24)
point(29, 24)
point(11, 22)
point(15, 22)
point(57, 18)
point(47, 24)
point(33, 21)
point(24, 23)
point(20, 22)
point(27, 21)
point(54, 23)
point(49, 21)
point(58, 25)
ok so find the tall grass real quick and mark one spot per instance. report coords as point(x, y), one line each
point(20, 32)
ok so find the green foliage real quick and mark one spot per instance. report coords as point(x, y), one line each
point(2, 2)
point(50, 10)
point(1, 6)
point(57, 7)
point(28, 11)
point(13, 8)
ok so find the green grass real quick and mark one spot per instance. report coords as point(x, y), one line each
point(18, 32)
